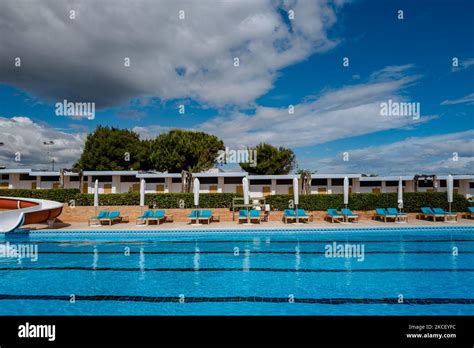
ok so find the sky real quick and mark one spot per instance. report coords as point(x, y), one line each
point(334, 64)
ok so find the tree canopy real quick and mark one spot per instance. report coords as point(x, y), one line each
point(109, 148)
point(271, 160)
point(180, 150)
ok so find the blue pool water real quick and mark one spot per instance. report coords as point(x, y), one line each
point(241, 273)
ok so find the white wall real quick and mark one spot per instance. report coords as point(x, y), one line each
point(17, 184)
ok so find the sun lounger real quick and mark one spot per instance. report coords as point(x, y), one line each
point(334, 215)
point(349, 215)
point(102, 215)
point(193, 216)
point(382, 214)
point(288, 214)
point(446, 213)
point(400, 216)
point(205, 216)
point(146, 214)
point(113, 216)
point(427, 213)
point(243, 216)
point(158, 217)
point(255, 215)
point(303, 216)
point(470, 213)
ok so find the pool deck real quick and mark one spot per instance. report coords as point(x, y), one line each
point(180, 226)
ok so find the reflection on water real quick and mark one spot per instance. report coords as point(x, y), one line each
point(197, 264)
point(246, 263)
point(141, 264)
point(95, 258)
point(297, 257)
point(196, 258)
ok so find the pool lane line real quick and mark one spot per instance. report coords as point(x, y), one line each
point(197, 241)
point(230, 269)
point(182, 300)
point(232, 252)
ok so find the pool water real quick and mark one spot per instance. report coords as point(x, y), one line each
point(401, 271)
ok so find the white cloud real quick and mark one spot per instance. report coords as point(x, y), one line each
point(465, 63)
point(83, 59)
point(467, 99)
point(150, 132)
point(346, 112)
point(20, 135)
point(431, 154)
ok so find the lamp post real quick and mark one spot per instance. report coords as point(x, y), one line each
point(1, 144)
point(49, 143)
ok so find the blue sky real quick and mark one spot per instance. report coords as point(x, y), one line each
point(283, 62)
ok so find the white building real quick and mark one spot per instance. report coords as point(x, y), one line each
point(215, 181)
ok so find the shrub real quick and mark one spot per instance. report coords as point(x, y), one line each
point(412, 201)
point(166, 200)
point(59, 195)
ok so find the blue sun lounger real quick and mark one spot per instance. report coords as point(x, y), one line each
point(382, 214)
point(159, 216)
point(400, 216)
point(288, 214)
point(193, 216)
point(446, 213)
point(349, 214)
point(102, 215)
point(146, 215)
point(243, 216)
point(255, 215)
point(113, 216)
point(303, 216)
point(427, 213)
point(205, 216)
point(470, 213)
point(334, 215)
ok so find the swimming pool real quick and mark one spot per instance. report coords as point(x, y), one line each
point(404, 271)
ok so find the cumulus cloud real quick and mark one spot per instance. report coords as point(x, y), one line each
point(432, 154)
point(82, 59)
point(346, 112)
point(21, 136)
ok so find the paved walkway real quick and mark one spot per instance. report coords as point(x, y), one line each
point(235, 225)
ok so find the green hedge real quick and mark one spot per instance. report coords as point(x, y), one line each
point(58, 195)
point(412, 201)
point(166, 201)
